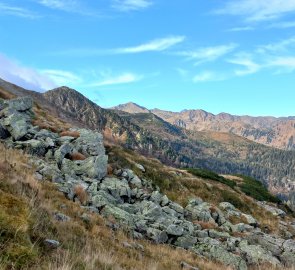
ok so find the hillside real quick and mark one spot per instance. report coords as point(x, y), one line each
point(271, 131)
point(68, 203)
point(152, 136)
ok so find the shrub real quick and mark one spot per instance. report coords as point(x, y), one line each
point(212, 176)
point(256, 190)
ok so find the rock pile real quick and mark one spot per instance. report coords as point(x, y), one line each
point(147, 213)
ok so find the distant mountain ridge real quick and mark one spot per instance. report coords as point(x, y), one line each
point(267, 130)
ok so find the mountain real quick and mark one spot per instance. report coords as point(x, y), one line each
point(131, 107)
point(149, 134)
point(271, 131)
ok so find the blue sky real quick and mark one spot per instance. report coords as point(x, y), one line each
point(235, 56)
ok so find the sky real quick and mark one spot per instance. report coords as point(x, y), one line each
point(235, 56)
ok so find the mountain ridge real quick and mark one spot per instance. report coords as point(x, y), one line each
point(277, 132)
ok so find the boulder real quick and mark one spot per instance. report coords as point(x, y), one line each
point(186, 242)
point(157, 235)
point(119, 189)
point(102, 198)
point(175, 230)
point(21, 104)
point(215, 251)
point(34, 147)
point(256, 255)
point(89, 143)
point(64, 151)
point(93, 167)
point(140, 167)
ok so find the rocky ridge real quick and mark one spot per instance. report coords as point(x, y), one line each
point(77, 164)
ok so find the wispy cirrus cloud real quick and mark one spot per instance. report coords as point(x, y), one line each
point(131, 5)
point(286, 63)
point(26, 77)
point(255, 10)
point(161, 44)
point(208, 76)
point(156, 45)
point(124, 78)
point(283, 25)
point(62, 77)
point(71, 6)
point(276, 47)
point(241, 29)
point(17, 11)
point(246, 61)
point(208, 54)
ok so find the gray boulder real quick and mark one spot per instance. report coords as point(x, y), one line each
point(175, 230)
point(157, 235)
point(20, 104)
point(186, 242)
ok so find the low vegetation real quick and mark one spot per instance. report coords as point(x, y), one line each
point(256, 190)
point(212, 176)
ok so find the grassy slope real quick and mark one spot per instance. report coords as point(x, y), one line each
point(26, 219)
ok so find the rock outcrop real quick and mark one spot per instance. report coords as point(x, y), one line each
point(132, 202)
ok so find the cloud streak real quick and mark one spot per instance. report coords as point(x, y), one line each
point(124, 78)
point(17, 11)
point(208, 76)
point(256, 11)
point(131, 5)
point(208, 54)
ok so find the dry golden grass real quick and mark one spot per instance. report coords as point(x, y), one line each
point(5, 95)
point(70, 133)
point(81, 194)
point(77, 156)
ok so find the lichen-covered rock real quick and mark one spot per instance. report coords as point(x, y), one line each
point(175, 230)
point(117, 188)
point(255, 254)
point(186, 242)
point(157, 235)
point(34, 147)
point(4, 134)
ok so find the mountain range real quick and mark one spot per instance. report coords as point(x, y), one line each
point(150, 134)
point(271, 131)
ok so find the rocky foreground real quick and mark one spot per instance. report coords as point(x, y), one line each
point(77, 164)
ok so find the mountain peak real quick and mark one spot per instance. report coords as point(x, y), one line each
point(131, 107)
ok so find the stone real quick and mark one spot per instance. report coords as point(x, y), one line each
point(20, 104)
point(140, 167)
point(257, 255)
point(120, 215)
point(89, 143)
point(227, 206)
point(102, 198)
point(157, 235)
point(61, 217)
point(250, 220)
point(186, 242)
point(187, 266)
point(93, 167)
point(34, 147)
point(215, 251)
point(119, 189)
point(176, 207)
point(17, 125)
point(217, 234)
point(50, 243)
point(174, 230)
point(64, 151)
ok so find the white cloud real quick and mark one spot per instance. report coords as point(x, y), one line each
point(61, 77)
point(286, 63)
point(16, 11)
point(283, 25)
point(130, 5)
point(245, 60)
point(207, 76)
point(241, 29)
point(258, 10)
point(120, 79)
point(26, 77)
point(72, 6)
point(208, 54)
point(277, 46)
point(154, 45)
